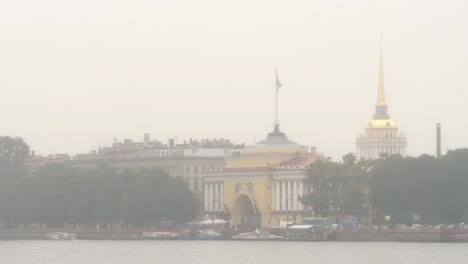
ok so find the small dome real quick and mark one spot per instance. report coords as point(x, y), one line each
point(382, 123)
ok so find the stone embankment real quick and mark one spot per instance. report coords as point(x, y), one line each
point(82, 234)
point(405, 235)
point(390, 235)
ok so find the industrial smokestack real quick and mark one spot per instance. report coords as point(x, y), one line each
point(438, 125)
point(146, 139)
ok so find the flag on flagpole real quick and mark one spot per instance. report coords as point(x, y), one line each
point(278, 83)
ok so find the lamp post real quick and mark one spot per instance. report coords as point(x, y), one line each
point(365, 208)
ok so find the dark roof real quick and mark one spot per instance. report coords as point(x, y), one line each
point(277, 138)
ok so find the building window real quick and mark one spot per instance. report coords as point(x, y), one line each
point(195, 185)
point(187, 170)
point(196, 169)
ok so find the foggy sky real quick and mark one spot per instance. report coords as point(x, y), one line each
point(75, 73)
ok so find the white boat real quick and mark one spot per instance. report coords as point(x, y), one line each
point(209, 234)
point(258, 234)
point(160, 235)
point(61, 236)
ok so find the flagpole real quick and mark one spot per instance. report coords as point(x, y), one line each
point(276, 97)
point(276, 106)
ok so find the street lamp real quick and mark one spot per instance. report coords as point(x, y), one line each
point(365, 208)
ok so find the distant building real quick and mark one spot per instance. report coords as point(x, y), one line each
point(381, 135)
point(188, 160)
point(262, 185)
point(35, 162)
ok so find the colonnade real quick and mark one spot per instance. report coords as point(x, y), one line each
point(285, 196)
point(373, 152)
point(214, 197)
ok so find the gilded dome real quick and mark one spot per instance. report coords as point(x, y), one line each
point(382, 123)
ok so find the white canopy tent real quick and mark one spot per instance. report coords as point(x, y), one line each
point(213, 222)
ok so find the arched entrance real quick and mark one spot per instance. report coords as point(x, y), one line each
point(245, 215)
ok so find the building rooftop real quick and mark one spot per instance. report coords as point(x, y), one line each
point(276, 138)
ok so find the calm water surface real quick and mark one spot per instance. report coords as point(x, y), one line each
point(211, 252)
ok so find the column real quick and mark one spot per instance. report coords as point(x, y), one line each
point(278, 197)
point(216, 199)
point(273, 199)
point(289, 196)
point(206, 197)
point(221, 197)
point(283, 196)
point(295, 194)
point(301, 194)
point(211, 197)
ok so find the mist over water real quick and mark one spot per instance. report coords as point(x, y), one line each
point(228, 252)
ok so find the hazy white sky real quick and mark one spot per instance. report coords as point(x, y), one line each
point(75, 73)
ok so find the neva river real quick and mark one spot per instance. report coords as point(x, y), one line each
point(238, 252)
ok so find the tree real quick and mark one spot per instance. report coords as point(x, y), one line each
point(13, 154)
point(349, 159)
point(336, 187)
point(434, 188)
point(324, 178)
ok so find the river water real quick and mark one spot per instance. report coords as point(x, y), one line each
point(238, 252)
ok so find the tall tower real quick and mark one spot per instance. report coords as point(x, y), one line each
point(381, 135)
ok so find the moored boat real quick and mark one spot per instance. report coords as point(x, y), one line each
point(161, 235)
point(61, 236)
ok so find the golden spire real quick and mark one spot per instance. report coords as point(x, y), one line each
point(381, 105)
point(381, 91)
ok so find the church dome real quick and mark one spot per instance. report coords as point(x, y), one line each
point(382, 123)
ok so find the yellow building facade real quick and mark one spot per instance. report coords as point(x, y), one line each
point(262, 185)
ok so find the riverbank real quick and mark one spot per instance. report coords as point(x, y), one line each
point(82, 234)
point(405, 235)
point(387, 235)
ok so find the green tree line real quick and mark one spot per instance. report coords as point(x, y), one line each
point(58, 195)
point(433, 189)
